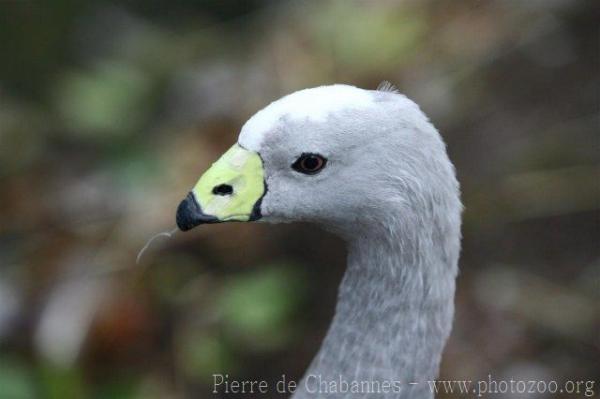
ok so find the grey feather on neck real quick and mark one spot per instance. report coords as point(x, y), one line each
point(393, 317)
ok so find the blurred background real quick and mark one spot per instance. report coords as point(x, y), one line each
point(110, 110)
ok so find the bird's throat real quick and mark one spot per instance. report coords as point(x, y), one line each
point(392, 320)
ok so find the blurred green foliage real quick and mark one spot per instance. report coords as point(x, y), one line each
point(108, 102)
point(257, 309)
point(16, 380)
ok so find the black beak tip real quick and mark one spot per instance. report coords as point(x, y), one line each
point(190, 215)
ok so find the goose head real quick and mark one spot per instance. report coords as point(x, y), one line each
point(367, 165)
point(348, 159)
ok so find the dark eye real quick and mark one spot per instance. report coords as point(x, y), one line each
point(309, 164)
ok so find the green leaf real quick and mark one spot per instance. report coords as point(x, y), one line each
point(109, 101)
point(258, 307)
point(15, 381)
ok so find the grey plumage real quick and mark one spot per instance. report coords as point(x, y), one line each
point(390, 191)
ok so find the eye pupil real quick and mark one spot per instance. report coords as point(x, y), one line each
point(309, 164)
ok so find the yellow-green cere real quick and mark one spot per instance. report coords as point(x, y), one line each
point(243, 171)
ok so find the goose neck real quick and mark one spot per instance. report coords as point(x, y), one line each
point(393, 317)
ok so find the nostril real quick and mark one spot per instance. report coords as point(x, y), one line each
point(222, 189)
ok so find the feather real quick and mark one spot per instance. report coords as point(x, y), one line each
point(388, 87)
